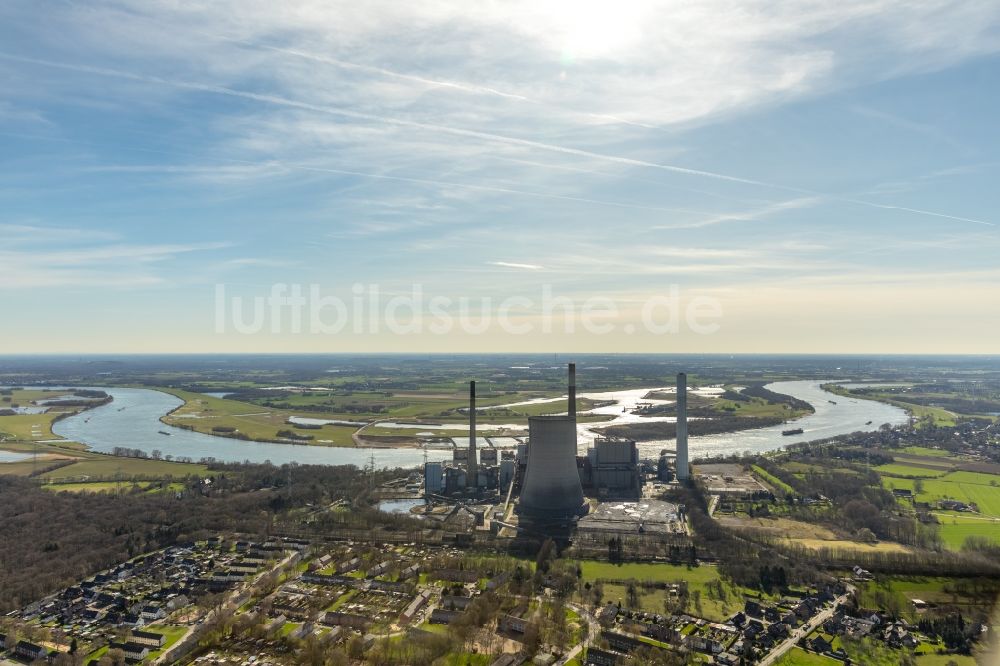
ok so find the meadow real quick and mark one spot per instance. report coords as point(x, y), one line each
point(111, 486)
point(977, 488)
point(896, 469)
point(614, 578)
point(901, 590)
point(799, 657)
point(772, 480)
point(955, 528)
point(969, 487)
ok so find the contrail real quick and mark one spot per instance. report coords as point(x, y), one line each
point(485, 136)
point(361, 174)
point(357, 115)
point(922, 212)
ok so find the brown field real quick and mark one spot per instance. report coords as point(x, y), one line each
point(808, 535)
point(785, 527)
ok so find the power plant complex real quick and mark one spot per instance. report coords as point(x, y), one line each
point(545, 480)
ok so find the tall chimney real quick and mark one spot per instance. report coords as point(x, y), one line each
point(472, 476)
point(572, 391)
point(683, 469)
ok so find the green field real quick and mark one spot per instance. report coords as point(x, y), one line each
point(900, 591)
point(799, 657)
point(940, 417)
point(895, 469)
point(772, 480)
point(110, 486)
point(657, 573)
point(172, 634)
point(110, 467)
point(464, 659)
point(697, 578)
point(29, 427)
point(925, 451)
point(955, 528)
point(969, 487)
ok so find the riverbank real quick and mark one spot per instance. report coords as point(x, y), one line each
point(921, 413)
point(731, 410)
point(134, 422)
point(244, 421)
point(28, 414)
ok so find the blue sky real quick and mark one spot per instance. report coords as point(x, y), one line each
point(823, 172)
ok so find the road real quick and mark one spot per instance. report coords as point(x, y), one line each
point(592, 630)
point(228, 605)
point(804, 630)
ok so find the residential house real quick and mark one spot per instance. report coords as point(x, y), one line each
point(149, 638)
point(597, 657)
point(441, 616)
point(30, 652)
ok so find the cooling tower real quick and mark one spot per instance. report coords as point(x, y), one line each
point(683, 469)
point(473, 473)
point(551, 486)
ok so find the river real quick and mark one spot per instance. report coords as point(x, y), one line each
point(834, 415)
point(132, 421)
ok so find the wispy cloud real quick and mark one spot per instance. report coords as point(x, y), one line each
point(511, 264)
point(125, 266)
point(37, 234)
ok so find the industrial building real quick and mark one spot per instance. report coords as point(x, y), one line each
point(612, 468)
point(646, 516)
point(547, 476)
point(472, 471)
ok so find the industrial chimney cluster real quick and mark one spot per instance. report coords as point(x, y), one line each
point(550, 475)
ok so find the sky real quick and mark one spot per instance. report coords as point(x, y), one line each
point(717, 176)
